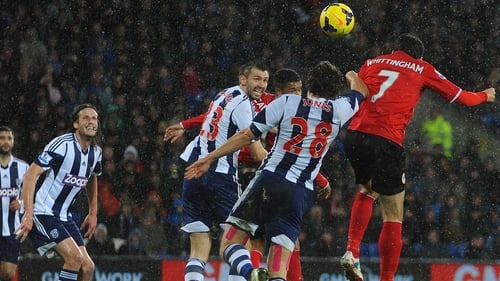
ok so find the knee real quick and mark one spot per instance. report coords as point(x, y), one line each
point(88, 267)
point(74, 262)
point(8, 274)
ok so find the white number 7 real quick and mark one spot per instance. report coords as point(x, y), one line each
point(391, 77)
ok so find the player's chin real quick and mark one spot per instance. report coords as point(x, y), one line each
point(256, 95)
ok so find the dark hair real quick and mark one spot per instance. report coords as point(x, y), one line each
point(325, 80)
point(5, 129)
point(258, 64)
point(411, 44)
point(76, 111)
point(284, 76)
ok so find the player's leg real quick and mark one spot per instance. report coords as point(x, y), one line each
point(88, 266)
point(7, 270)
point(200, 244)
point(390, 240)
point(389, 183)
point(278, 261)
point(72, 257)
point(257, 247)
point(233, 251)
point(361, 212)
point(360, 149)
point(9, 253)
point(295, 268)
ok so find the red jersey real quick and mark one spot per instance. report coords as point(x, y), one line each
point(396, 82)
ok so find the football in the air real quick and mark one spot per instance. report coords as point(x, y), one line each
point(336, 20)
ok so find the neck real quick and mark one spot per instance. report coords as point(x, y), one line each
point(83, 141)
point(5, 159)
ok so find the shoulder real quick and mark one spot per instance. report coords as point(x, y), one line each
point(60, 141)
point(21, 162)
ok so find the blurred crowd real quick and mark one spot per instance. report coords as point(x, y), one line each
point(148, 64)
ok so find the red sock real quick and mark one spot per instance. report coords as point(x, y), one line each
point(294, 272)
point(361, 213)
point(256, 257)
point(390, 245)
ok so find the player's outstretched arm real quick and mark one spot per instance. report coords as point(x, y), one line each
point(234, 143)
point(173, 132)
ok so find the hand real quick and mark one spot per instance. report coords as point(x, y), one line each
point(356, 83)
point(324, 193)
point(197, 169)
point(90, 223)
point(173, 132)
point(490, 93)
point(15, 205)
point(25, 227)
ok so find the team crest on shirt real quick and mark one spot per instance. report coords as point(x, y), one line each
point(44, 158)
point(54, 233)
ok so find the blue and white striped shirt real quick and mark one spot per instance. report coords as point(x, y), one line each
point(68, 170)
point(11, 178)
point(307, 127)
point(230, 111)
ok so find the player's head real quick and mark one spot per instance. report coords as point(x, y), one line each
point(6, 140)
point(85, 121)
point(411, 44)
point(253, 78)
point(287, 81)
point(325, 80)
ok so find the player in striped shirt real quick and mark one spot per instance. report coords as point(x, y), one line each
point(12, 170)
point(208, 200)
point(68, 165)
point(275, 197)
point(286, 81)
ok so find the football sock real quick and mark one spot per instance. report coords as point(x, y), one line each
point(256, 257)
point(68, 275)
point(234, 276)
point(195, 270)
point(238, 258)
point(390, 245)
point(361, 213)
point(294, 269)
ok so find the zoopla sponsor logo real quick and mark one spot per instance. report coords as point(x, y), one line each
point(9, 192)
point(75, 181)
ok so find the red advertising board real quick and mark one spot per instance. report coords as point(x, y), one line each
point(465, 272)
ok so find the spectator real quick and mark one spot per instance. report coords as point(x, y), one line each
point(124, 222)
point(476, 249)
point(153, 237)
point(438, 131)
point(432, 247)
point(100, 243)
point(172, 223)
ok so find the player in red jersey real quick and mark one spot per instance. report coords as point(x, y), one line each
point(285, 81)
point(374, 144)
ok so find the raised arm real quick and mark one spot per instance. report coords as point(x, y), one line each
point(234, 143)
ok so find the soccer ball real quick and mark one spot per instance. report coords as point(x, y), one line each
point(336, 20)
